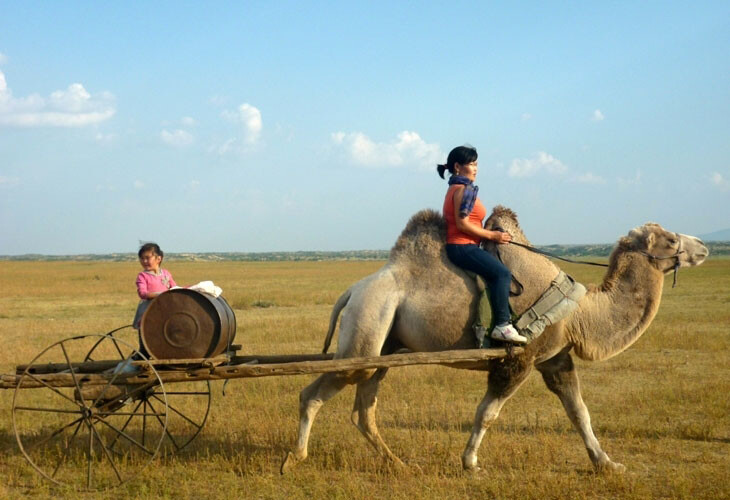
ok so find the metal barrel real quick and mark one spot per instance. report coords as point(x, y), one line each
point(185, 324)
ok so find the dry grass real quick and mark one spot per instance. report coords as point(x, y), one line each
point(661, 408)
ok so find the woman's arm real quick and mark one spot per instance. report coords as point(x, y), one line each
point(463, 223)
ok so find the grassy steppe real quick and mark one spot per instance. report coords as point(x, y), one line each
point(661, 408)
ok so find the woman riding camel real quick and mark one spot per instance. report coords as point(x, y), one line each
point(464, 213)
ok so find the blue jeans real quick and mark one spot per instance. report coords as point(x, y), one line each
point(495, 274)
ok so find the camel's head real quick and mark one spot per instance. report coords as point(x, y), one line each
point(665, 249)
point(504, 219)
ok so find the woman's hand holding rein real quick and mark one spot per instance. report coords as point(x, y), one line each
point(500, 237)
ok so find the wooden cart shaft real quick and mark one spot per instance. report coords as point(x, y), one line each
point(92, 373)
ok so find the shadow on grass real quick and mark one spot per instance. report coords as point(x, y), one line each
point(8, 441)
point(686, 433)
point(500, 427)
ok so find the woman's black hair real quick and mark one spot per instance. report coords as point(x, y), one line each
point(150, 247)
point(463, 155)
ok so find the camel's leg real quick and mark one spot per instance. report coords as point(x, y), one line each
point(363, 414)
point(561, 378)
point(504, 380)
point(366, 320)
point(311, 400)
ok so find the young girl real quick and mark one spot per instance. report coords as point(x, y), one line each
point(152, 281)
point(464, 231)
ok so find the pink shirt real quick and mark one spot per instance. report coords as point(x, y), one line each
point(147, 283)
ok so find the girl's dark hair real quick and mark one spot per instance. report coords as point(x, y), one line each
point(150, 247)
point(462, 155)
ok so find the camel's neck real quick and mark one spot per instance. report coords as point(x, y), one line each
point(612, 317)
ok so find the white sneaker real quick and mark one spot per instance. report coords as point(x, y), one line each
point(507, 333)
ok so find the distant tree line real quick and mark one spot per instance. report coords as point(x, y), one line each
point(717, 248)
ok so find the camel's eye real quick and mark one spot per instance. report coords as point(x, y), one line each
point(672, 241)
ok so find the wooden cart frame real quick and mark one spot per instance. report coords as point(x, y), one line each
point(114, 415)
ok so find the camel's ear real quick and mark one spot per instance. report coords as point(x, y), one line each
point(650, 240)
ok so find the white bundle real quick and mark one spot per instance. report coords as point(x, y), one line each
point(207, 287)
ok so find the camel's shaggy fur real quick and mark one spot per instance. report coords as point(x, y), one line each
point(419, 300)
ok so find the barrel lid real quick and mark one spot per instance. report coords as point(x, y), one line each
point(179, 324)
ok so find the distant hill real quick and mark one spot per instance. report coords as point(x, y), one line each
point(217, 256)
point(717, 248)
point(723, 235)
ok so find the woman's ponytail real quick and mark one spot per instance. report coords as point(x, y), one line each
point(441, 169)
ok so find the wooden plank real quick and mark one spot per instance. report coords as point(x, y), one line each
point(470, 358)
point(279, 358)
point(86, 367)
point(103, 365)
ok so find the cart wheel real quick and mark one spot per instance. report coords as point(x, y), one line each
point(188, 402)
point(72, 421)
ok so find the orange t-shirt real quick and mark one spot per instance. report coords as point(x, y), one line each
point(453, 235)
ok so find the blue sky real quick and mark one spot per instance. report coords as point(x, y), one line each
point(282, 126)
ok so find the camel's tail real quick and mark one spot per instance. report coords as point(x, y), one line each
point(339, 305)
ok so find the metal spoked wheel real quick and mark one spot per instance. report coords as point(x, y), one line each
point(188, 402)
point(65, 420)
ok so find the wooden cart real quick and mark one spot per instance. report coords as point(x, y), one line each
point(101, 407)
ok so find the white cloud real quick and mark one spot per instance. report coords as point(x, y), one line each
point(252, 123)
point(8, 181)
point(527, 167)
point(597, 116)
point(631, 181)
point(188, 121)
point(104, 138)
point(250, 117)
point(3, 58)
point(589, 178)
point(73, 107)
point(408, 150)
point(139, 185)
point(718, 180)
point(177, 138)
point(526, 117)
point(218, 100)
point(224, 148)
point(194, 184)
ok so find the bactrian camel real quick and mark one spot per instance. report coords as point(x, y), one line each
point(418, 301)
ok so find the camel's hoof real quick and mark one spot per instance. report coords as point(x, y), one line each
point(617, 468)
point(470, 468)
point(289, 462)
point(397, 466)
point(474, 470)
point(415, 468)
point(469, 464)
point(611, 468)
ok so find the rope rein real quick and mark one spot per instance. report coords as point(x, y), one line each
point(646, 254)
point(548, 254)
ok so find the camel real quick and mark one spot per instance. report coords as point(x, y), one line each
point(420, 301)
